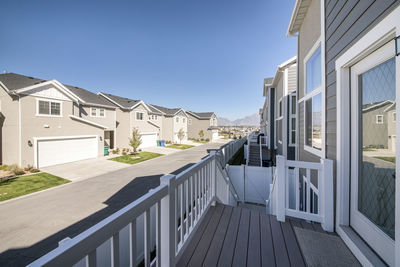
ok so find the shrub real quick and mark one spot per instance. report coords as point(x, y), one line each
point(115, 151)
point(123, 152)
point(207, 139)
point(28, 168)
point(202, 139)
point(21, 172)
point(168, 142)
point(34, 170)
point(3, 167)
point(136, 140)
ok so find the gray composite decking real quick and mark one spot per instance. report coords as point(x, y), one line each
point(231, 236)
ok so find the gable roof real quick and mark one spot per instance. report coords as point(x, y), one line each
point(202, 115)
point(298, 15)
point(89, 97)
point(154, 109)
point(122, 102)
point(14, 82)
point(167, 111)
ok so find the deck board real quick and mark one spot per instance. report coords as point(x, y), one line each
point(232, 236)
point(214, 251)
point(240, 255)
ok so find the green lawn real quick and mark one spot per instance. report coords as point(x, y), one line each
point(200, 142)
point(179, 146)
point(133, 159)
point(390, 159)
point(28, 184)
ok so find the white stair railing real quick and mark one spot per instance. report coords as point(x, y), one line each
point(174, 209)
point(295, 195)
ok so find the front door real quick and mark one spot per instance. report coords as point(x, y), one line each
point(373, 160)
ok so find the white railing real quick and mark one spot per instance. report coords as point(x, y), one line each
point(303, 190)
point(171, 214)
point(228, 150)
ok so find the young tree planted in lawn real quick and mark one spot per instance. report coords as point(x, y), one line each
point(136, 140)
point(201, 133)
point(181, 135)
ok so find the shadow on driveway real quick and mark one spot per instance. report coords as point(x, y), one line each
point(136, 188)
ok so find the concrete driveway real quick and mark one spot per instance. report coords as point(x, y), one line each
point(79, 170)
point(33, 225)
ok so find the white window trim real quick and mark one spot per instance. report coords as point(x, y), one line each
point(97, 112)
point(314, 92)
point(292, 116)
point(377, 119)
point(50, 101)
point(136, 112)
point(384, 31)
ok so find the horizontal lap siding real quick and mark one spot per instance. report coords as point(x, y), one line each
point(345, 23)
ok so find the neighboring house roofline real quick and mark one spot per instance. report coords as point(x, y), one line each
point(280, 68)
point(97, 105)
point(199, 117)
point(141, 102)
point(87, 121)
point(152, 123)
point(383, 103)
point(181, 109)
point(298, 15)
point(109, 99)
point(4, 87)
point(161, 112)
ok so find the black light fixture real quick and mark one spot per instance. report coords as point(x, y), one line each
point(29, 143)
point(397, 42)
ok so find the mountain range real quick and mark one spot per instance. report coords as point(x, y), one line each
point(250, 120)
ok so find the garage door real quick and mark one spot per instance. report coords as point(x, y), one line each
point(214, 135)
point(148, 140)
point(68, 149)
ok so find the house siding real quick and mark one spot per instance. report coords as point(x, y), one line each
point(198, 125)
point(345, 23)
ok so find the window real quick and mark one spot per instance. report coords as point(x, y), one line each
point(139, 116)
point(379, 119)
point(313, 122)
point(97, 112)
point(190, 121)
point(313, 71)
point(177, 119)
point(313, 113)
point(183, 120)
point(292, 121)
point(280, 108)
point(48, 108)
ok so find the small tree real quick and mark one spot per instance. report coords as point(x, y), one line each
point(136, 140)
point(181, 135)
point(201, 134)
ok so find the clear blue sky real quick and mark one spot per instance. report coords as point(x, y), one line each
point(203, 55)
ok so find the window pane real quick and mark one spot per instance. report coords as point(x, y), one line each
point(293, 132)
point(139, 116)
point(317, 123)
point(55, 108)
point(102, 112)
point(313, 71)
point(94, 112)
point(280, 108)
point(44, 107)
point(293, 104)
point(177, 119)
point(308, 122)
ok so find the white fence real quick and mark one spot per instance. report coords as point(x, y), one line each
point(252, 183)
point(303, 190)
point(156, 228)
point(228, 150)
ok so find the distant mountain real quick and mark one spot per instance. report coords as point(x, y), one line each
point(251, 120)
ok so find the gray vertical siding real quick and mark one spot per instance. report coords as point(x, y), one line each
point(345, 23)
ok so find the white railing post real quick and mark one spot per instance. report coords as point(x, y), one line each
point(213, 175)
point(280, 188)
point(168, 228)
point(326, 195)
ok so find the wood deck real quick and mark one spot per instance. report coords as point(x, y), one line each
point(241, 237)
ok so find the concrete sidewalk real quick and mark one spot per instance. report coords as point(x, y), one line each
point(33, 225)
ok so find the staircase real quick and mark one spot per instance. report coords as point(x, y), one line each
point(254, 155)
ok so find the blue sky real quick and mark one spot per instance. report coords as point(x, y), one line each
point(208, 55)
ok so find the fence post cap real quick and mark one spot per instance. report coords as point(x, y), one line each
point(167, 178)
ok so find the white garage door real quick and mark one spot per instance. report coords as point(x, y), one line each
point(215, 136)
point(68, 149)
point(148, 140)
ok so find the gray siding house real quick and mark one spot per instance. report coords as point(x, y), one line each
point(206, 122)
point(348, 83)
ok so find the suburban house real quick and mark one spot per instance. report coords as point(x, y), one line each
point(348, 83)
point(132, 114)
point(174, 119)
point(202, 121)
point(45, 123)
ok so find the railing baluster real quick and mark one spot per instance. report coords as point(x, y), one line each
point(308, 194)
point(319, 196)
point(132, 242)
point(196, 199)
point(187, 206)
point(158, 234)
point(182, 208)
point(176, 218)
point(115, 250)
point(91, 260)
point(297, 187)
point(147, 238)
point(192, 192)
